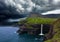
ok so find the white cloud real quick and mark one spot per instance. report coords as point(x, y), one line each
point(57, 11)
point(25, 6)
point(56, 1)
point(21, 6)
point(22, 1)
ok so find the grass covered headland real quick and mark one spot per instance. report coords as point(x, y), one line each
point(38, 20)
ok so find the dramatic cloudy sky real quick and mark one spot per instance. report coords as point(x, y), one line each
point(27, 6)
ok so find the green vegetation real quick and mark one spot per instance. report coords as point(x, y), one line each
point(56, 37)
point(38, 20)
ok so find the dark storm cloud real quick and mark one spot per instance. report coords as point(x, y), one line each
point(27, 6)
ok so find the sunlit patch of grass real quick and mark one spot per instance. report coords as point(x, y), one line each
point(38, 20)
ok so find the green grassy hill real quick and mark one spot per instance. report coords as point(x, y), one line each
point(38, 20)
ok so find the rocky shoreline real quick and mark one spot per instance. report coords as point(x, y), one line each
point(32, 26)
point(36, 30)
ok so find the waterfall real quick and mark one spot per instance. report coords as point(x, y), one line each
point(41, 38)
point(41, 30)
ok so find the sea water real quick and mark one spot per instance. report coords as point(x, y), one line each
point(8, 34)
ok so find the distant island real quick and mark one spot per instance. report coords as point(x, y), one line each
point(45, 16)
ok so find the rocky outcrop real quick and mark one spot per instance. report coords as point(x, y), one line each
point(48, 31)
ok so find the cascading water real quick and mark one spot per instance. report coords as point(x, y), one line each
point(41, 30)
point(41, 35)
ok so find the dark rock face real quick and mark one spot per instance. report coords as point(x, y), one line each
point(36, 25)
point(50, 34)
point(47, 30)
